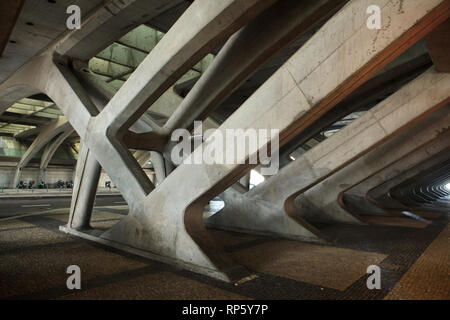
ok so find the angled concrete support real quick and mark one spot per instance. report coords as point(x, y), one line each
point(163, 167)
point(50, 150)
point(324, 201)
point(55, 128)
point(371, 196)
point(86, 181)
point(307, 188)
point(167, 224)
point(384, 83)
point(245, 52)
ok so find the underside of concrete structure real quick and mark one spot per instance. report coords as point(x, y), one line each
point(348, 102)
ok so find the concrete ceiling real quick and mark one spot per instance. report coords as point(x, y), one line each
point(42, 22)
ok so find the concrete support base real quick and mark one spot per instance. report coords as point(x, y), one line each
point(261, 217)
point(93, 236)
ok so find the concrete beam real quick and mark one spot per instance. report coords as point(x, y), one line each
point(176, 53)
point(161, 165)
point(28, 133)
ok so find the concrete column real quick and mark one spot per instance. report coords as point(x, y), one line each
point(159, 164)
point(85, 188)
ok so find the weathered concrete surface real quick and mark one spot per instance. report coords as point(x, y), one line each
point(244, 213)
point(266, 207)
point(88, 168)
point(371, 196)
point(168, 222)
point(323, 202)
point(45, 136)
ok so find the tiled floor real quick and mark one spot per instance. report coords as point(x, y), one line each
point(432, 267)
point(414, 263)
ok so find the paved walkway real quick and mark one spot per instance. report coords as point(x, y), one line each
point(39, 193)
point(35, 255)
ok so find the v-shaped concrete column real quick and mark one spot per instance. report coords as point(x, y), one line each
point(209, 24)
point(87, 176)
